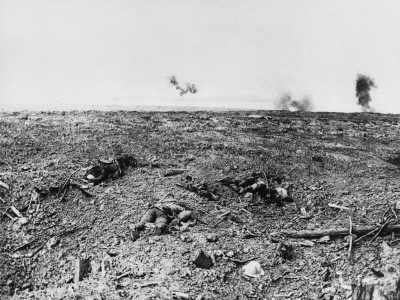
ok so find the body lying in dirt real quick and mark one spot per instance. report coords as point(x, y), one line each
point(201, 188)
point(161, 215)
point(110, 169)
point(267, 187)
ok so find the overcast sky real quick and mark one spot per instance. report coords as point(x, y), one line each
point(69, 53)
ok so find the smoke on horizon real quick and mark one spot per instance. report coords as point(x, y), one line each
point(364, 84)
point(286, 102)
point(190, 87)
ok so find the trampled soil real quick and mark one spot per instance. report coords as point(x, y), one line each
point(350, 160)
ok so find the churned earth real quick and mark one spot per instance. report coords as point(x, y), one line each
point(349, 160)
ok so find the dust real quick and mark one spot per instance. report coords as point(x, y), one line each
point(286, 102)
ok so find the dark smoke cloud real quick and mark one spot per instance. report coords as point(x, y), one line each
point(190, 87)
point(286, 102)
point(364, 84)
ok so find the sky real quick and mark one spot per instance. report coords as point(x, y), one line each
point(71, 54)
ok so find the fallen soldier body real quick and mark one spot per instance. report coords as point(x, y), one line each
point(202, 189)
point(161, 215)
point(110, 168)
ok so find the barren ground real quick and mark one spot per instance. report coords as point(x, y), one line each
point(355, 165)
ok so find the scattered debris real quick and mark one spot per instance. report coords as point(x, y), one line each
point(338, 206)
point(25, 168)
point(185, 225)
point(180, 295)
point(385, 283)
point(202, 260)
point(253, 269)
point(52, 242)
point(317, 158)
point(22, 221)
point(24, 245)
point(350, 256)
point(324, 239)
point(212, 238)
point(304, 213)
point(377, 273)
point(284, 250)
point(281, 194)
point(256, 117)
point(62, 190)
point(397, 205)
point(204, 296)
point(230, 254)
point(126, 274)
point(233, 216)
point(4, 185)
point(82, 269)
point(16, 211)
point(232, 152)
point(247, 233)
point(174, 172)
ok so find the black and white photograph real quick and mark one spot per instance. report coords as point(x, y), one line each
point(199, 149)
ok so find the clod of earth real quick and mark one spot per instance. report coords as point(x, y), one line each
point(212, 238)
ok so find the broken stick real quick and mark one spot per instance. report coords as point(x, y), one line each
point(338, 232)
point(338, 206)
point(351, 240)
point(16, 211)
point(66, 182)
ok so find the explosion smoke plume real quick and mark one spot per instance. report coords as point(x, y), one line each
point(287, 103)
point(364, 84)
point(190, 87)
